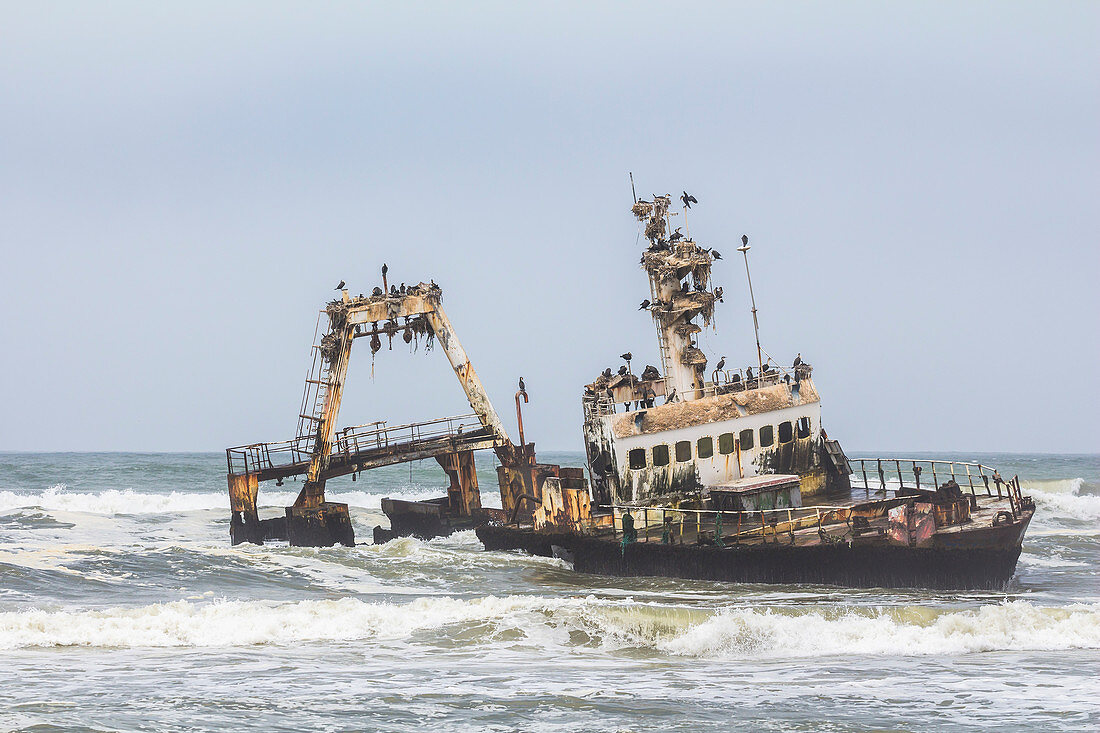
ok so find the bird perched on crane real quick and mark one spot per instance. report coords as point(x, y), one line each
point(688, 200)
point(644, 305)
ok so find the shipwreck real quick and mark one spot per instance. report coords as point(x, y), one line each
point(693, 470)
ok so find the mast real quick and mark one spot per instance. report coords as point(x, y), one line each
point(679, 279)
point(744, 249)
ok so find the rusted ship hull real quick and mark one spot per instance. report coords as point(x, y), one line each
point(982, 558)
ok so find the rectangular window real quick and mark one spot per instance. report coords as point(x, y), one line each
point(786, 432)
point(660, 455)
point(803, 427)
point(683, 451)
point(767, 436)
point(725, 443)
point(746, 439)
point(637, 458)
point(705, 447)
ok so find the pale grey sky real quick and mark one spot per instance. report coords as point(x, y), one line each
point(181, 186)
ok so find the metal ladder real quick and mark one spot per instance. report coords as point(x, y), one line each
point(313, 402)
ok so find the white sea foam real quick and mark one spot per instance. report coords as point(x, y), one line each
point(1061, 499)
point(734, 633)
point(128, 501)
point(1014, 626)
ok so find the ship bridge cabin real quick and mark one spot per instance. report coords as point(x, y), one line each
point(691, 431)
point(642, 446)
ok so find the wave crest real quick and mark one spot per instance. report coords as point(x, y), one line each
point(733, 633)
point(128, 501)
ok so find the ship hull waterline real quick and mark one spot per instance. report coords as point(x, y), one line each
point(978, 559)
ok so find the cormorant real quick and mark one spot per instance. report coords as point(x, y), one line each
point(522, 386)
point(377, 292)
point(401, 289)
point(340, 286)
point(745, 239)
point(644, 305)
point(718, 294)
point(393, 290)
point(688, 199)
point(721, 364)
point(607, 373)
point(684, 286)
point(675, 235)
point(627, 356)
point(748, 373)
point(622, 370)
point(716, 254)
point(385, 269)
point(798, 360)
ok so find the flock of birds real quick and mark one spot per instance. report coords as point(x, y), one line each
point(394, 290)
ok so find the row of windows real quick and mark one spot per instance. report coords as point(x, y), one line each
point(704, 447)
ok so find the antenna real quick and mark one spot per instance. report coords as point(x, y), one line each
point(632, 191)
point(744, 249)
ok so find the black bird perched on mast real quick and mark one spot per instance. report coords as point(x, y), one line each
point(745, 239)
point(716, 254)
point(688, 199)
point(675, 235)
point(385, 269)
point(721, 364)
point(627, 356)
point(340, 286)
point(644, 305)
point(522, 386)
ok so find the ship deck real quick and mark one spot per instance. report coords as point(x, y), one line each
point(828, 523)
point(858, 515)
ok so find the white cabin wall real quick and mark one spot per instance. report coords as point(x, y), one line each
point(717, 469)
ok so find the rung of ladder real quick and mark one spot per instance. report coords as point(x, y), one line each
point(310, 417)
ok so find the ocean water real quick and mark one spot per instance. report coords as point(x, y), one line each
point(123, 607)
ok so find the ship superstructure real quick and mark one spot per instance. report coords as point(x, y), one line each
point(690, 427)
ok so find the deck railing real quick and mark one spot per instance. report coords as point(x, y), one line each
point(891, 474)
point(727, 381)
point(351, 441)
point(654, 521)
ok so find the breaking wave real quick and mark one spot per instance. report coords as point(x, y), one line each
point(1063, 498)
point(128, 501)
point(731, 633)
